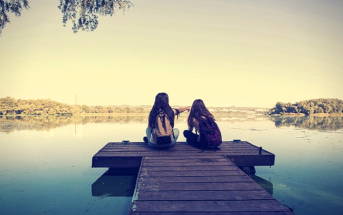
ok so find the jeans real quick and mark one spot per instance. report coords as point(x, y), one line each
point(176, 132)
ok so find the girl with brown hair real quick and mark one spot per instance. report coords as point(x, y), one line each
point(207, 133)
point(160, 131)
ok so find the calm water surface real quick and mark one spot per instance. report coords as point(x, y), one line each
point(45, 163)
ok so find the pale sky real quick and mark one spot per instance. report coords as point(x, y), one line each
point(242, 53)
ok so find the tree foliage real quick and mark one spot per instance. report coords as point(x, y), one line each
point(84, 13)
point(309, 107)
point(11, 106)
point(11, 6)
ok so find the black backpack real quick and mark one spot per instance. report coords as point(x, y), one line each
point(210, 135)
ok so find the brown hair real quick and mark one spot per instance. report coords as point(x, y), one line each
point(198, 111)
point(161, 104)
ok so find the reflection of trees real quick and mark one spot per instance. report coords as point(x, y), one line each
point(45, 123)
point(12, 6)
point(84, 13)
point(311, 123)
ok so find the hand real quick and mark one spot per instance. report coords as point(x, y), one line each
point(186, 109)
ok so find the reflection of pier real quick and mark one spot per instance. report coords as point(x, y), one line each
point(267, 185)
point(187, 180)
point(115, 182)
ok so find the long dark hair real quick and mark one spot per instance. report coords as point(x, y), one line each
point(161, 104)
point(198, 111)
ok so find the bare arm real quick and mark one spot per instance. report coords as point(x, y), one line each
point(182, 109)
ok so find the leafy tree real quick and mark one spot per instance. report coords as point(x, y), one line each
point(340, 108)
point(127, 110)
point(319, 110)
point(278, 107)
point(11, 6)
point(309, 107)
point(86, 109)
point(84, 13)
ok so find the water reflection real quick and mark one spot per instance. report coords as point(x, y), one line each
point(115, 182)
point(267, 185)
point(45, 123)
point(84, 13)
point(329, 123)
point(9, 124)
point(77, 130)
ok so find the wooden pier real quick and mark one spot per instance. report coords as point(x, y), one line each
point(186, 180)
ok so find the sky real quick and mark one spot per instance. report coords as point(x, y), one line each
point(243, 53)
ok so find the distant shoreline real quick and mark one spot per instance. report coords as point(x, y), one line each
point(302, 114)
point(183, 114)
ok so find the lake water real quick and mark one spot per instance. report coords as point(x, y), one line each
point(45, 163)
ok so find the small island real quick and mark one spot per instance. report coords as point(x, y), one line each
point(317, 107)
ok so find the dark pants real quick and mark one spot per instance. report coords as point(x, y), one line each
point(191, 138)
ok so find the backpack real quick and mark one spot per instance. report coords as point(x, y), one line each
point(210, 135)
point(163, 131)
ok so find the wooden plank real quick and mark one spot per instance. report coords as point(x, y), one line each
point(180, 153)
point(217, 213)
point(146, 186)
point(142, 149)
point(169, 164)
point(172, 153)
point(178, 149)
point(208, 206)
point(182, 150)
point(192, 173)
point(190, 158)
point(226, 195)
point(180, 146)
point(179, 142)
point(183, 146)
point(189, 168)
point(196, 179)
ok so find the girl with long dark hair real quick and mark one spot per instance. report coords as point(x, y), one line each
point(198, 113)
point(162, 117)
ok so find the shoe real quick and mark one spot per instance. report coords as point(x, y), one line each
point(145, 139)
